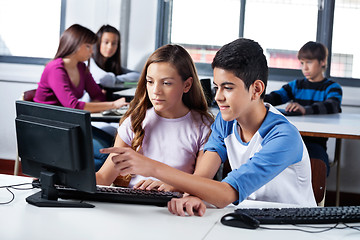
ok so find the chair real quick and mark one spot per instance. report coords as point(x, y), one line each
point(318, 179)
point(26, 96)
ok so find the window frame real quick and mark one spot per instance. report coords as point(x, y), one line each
point(36, 60)
point(324, 34)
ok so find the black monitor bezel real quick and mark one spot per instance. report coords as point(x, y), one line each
point(82, 179)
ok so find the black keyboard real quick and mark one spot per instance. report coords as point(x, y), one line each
point(120, 195)
point(315, 215)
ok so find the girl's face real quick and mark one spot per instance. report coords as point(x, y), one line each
point(109, 44)
point(84, 52)
point(165, 89)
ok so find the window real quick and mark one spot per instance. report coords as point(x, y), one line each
point(345, 45)
point(19, 37)
point(203, 26)
point(218, 22)
point(281, 27)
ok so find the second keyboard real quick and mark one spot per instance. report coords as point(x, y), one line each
point(315, 215)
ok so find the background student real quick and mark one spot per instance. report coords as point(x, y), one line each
point(105, 64)
point(268, 158)
point(168, 119)
point(105, 67)
point(66, 77)
point(313, 94)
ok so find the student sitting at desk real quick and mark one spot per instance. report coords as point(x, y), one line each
point(167, 121)
point(268, 158)
point(105, 64)
point(313, 94)
point(105, 67)
point(66, 77)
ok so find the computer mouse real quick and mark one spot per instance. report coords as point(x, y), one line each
point(240, 220)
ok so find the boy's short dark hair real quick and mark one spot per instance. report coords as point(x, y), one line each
point(313, 50)
point(245, 59)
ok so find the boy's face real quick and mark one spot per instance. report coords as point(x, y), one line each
point(312, 69)
point(232, 97)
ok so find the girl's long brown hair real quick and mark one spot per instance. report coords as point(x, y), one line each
point(194, 99)
point(72, 38)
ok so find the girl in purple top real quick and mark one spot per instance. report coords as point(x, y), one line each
point(66, 77)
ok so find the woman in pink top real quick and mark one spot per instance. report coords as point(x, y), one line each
point(66, 78)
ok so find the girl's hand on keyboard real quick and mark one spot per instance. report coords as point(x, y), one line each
point(190, 205)
point(150, 184)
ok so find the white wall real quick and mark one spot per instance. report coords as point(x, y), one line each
point(14, 80)
point(142, 32)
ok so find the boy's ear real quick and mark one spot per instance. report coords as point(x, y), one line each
point(188, 84)
point(322, 64)
point(258, 88)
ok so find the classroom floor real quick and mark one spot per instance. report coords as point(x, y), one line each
point(346, 199)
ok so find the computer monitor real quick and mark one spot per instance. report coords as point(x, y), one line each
point(55, 145)
point(206, 86)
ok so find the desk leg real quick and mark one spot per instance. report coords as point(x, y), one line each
point(337, 160)
point(16, 166)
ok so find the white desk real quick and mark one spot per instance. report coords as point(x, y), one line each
point(20, 220)
point(130, 92)
point(339, 126)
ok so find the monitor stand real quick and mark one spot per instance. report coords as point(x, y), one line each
point(48, 196)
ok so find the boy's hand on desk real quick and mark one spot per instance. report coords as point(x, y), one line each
point(128, 161)
point(150, 184)
point(295, 107)
point(189, 204)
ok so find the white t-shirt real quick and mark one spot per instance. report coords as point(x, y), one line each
point(274, 166)
point(174, 142)
point(108, 79)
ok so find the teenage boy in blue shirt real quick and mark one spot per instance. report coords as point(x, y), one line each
point(268, 158)
point(313, 94)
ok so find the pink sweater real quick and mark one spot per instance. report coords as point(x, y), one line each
point(56, 88)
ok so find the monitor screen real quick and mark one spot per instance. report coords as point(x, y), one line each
point(55, 145)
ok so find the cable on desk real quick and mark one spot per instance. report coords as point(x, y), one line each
point(353, 227)
point(15, 186)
